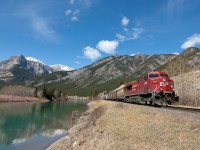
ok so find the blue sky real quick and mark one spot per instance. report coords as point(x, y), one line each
point(79, 32)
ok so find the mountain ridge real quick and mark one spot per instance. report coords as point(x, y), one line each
point(23, 68)
point(109, 72)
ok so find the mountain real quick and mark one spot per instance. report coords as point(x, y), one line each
point(55, 68)
point(188, 60)
point(104, 74)
point(18, 68)
point(108, 73)
point(60, 67)
point(34, 60)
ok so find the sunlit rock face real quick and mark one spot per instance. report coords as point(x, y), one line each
point(23, 68)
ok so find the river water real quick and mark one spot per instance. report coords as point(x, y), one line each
point(34, 126)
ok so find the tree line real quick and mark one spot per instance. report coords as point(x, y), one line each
point(42, 92)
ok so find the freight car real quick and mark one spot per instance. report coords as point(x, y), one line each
point(154, 88)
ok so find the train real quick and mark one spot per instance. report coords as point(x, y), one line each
point(153, 88)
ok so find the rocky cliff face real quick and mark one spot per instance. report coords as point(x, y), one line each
point(15, 60)
point(6, 67)
point(23, 68)
point(38, 68)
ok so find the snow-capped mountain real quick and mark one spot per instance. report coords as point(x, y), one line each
point(60, 67)
point(34, 60)
point(22, 68)
point(54, 68)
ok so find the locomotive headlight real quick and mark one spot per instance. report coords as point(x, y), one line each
point(154, 82)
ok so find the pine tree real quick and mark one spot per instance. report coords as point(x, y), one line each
point(35, 93)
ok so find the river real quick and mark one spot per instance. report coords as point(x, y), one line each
point(34, 126)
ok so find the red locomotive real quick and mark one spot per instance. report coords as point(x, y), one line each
point(152, 88)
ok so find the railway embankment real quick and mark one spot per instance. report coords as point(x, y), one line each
point(122, 126)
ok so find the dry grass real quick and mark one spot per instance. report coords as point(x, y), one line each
point(120, 126)
point(126, 126)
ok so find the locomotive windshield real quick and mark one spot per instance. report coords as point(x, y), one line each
point(164, 75)
point(153, 75)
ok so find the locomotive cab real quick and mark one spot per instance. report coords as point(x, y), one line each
point(162, 87)
point(160, 82)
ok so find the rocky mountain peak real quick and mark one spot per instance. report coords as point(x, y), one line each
point(190, 50)
point(60, 67)
point(34, 60)
point(24, 68)
point(13, 61)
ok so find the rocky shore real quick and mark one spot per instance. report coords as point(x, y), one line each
point(122, 126)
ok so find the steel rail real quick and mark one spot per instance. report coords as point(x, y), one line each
point(189, 109)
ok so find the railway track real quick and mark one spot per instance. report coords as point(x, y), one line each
point(173, 107)
point(189, 109)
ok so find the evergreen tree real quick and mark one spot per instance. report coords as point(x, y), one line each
point(35, 93)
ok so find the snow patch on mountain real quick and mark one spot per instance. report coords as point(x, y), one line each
point(34, 60)
point(60, 67)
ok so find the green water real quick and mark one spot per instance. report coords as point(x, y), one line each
point(35, 126)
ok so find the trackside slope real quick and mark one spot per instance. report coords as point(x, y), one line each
point(120, 126)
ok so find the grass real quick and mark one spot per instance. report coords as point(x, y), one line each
point(137, 127)
point(121, 126)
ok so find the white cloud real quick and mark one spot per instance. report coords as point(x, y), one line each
point(74, 18)
point(132, 54)
point(91, 53)
point(68, 12)
point(137, 32)
point(125, 21)
point(71, 1)
point(125, 29)
point(132, 35)
point(41, 26)
point(107, 46)
point(191, 41)
point(73, 14)
point(120, 37)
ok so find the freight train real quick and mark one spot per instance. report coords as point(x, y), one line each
point(153, 88)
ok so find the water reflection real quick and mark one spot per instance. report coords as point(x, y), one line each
point(20, 122)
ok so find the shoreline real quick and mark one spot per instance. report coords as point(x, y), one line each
point(85, 121)
point(121, 126)
point(9, 98)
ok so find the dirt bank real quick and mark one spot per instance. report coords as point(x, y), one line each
point(9, 98)
point(121, 126)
